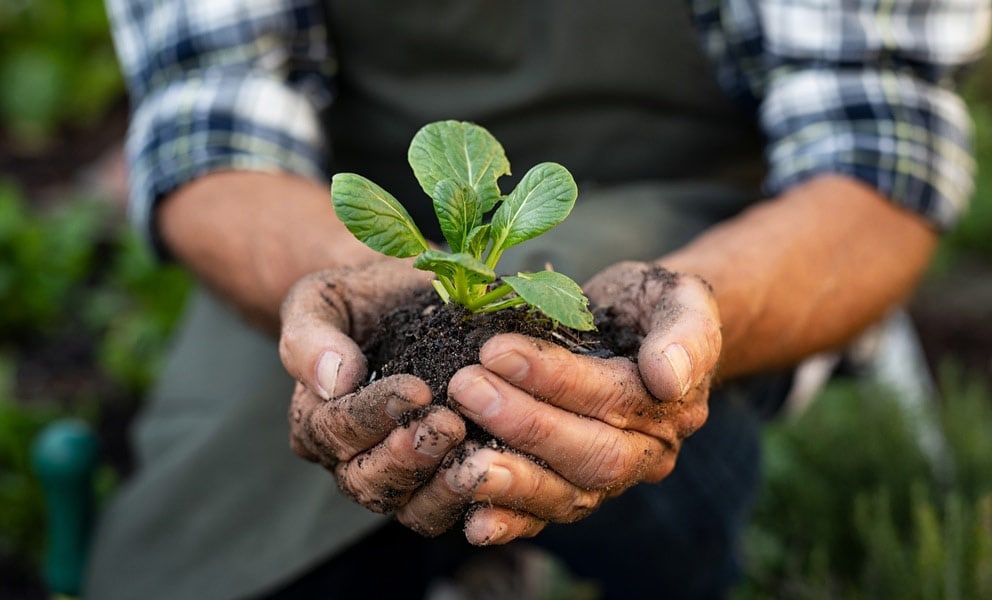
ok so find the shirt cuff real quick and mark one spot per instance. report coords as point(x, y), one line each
point(213, 122)
point(909, 139)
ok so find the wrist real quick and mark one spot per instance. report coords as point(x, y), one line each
point(251, 236)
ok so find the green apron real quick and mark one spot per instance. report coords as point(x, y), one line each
point(618, 92)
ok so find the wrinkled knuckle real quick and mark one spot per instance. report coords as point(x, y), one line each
point(433, 521)
point(583, 504)
point(415, 523)
point(608, 464)
point(352, 483)
point(554, 375)
point(319, 429)
point(405, 473)
point(348, 484)
point(615, 417)
point(409, 520)
point(531, 431)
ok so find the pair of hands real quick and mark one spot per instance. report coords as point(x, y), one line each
point(599, 425)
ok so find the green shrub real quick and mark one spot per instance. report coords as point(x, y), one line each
point(852, 508)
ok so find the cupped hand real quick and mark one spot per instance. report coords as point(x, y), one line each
point(596, 426)
point(382, 441)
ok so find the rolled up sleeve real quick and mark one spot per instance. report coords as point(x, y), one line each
point(219, 85)
point(867, 89)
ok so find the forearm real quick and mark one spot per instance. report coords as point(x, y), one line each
point(806, 271)
point(250, 236)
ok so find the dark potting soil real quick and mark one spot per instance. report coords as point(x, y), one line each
point(433, 340)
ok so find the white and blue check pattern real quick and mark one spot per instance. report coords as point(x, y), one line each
point(220, 85)
point(864, 88)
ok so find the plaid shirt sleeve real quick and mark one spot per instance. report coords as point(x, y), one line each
point(216, 85)
point(862, 88)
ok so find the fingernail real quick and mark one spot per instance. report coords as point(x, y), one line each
point(396, 407)
point(681, 364)
point(478, 397)
point(510, 365)
point(428, 440)
point(327, 373)
point(484, 532)
point(497, 480)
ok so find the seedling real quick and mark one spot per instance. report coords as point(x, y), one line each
point(458, 165)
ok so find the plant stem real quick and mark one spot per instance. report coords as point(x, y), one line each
point(446, 284)
point(494, 255)
point(461, 288)
point(492, 296)
point(508, 303)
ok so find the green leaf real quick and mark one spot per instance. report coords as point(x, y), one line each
point(449, 265)
point(477, 241)
point(375, 217)
point(542, 200)
point(462, 152)
point(458, 212)
point(556, 295)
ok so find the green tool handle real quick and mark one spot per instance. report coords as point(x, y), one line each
point(65, 460)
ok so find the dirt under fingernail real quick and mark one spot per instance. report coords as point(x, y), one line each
point(430, 441)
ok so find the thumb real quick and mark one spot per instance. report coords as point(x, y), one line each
point(682, 346)
point(313, 345)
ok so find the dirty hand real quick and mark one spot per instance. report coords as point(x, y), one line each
point(599, 425)
point(364, 437)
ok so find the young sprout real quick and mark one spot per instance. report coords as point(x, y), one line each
point(458, 165)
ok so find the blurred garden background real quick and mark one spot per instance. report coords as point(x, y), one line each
point(856, 504)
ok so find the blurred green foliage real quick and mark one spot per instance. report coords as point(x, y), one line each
point(852, 508)
point(79, 268)
point(21, 520)
point(972, 237)
point(42, 260)
point(57, 67)
point(135, 312)
point(76, 270)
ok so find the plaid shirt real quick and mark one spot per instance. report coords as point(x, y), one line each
point(860, 88)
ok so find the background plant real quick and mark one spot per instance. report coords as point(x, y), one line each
point(86, 313)
point(57, 67)
point(852, 509)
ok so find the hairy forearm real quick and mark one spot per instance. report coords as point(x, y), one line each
point(250, 236)
point(806, 271)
